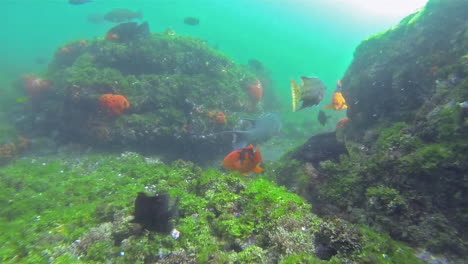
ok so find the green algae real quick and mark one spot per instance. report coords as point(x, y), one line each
point(173, 84)
point(78, 210)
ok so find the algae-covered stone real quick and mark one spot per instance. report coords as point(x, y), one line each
point(174, 85)
point(406, 138)
point(222, 218)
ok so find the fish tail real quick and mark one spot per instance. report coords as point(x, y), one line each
point(239, 139)
point(257, 169)
point(296, 94)
point(258, 156)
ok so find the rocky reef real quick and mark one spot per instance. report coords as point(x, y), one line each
point(220, 218)
point(170, 94)
point(408, 147)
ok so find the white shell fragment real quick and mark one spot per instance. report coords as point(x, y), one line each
point(175, 233)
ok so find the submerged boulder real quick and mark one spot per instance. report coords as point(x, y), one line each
point(170, 86)
point(406, 135)
point(320, 147)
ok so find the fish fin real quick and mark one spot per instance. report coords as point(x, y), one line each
point(257, 156)
point(296, 94)
point(239, 140)
point(245, 174)
point(258, 169)
point(253, 122)
point(330, 106)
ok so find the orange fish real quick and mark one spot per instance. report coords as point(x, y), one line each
point(243, 160)
point(338, 101)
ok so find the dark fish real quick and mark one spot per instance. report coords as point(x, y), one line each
point(322, 118)
point(129, 31)
point(78, 2)
point(95, 18)
point(192, 21)
point(153, 212)
point(263, 129)
point(40, 60)
point(118, 15)
point(256, 65)
point(310, 92)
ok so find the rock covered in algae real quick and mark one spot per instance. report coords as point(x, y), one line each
point(406, 136)
point(172, 84)
point(222, 218)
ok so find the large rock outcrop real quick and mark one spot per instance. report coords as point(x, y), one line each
point(180, 94)
point(406, 173)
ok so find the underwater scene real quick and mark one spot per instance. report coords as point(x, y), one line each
point(247, 131)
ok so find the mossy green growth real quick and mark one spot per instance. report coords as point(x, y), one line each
point(78, 210)
point(388, 199)
point(303, 259)
point(381, 249)
point(395, 136)
point(174, 86)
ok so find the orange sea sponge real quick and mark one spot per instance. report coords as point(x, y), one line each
point(113, 104)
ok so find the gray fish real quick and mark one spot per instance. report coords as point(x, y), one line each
point(78, 2)
point(322, 117)
point(310, 92)
point(95, 18)
point(192, 21)
point(263, 129)
point(118, 15)
point(127, 32)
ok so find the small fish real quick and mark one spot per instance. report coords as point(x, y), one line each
point(78, 2)
point(322, 117)
point(126, 32)
point(263, 129)
point(40, 60)
point(118, 15)
point(95, 18)
point(243, 160)
point(338, 101)
point(256, 65)
point(310, 92)
point(192, 21)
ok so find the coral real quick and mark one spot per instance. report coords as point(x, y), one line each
point(217, 117)
point(10, 151)
point(255, 91)
point(113, 104)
